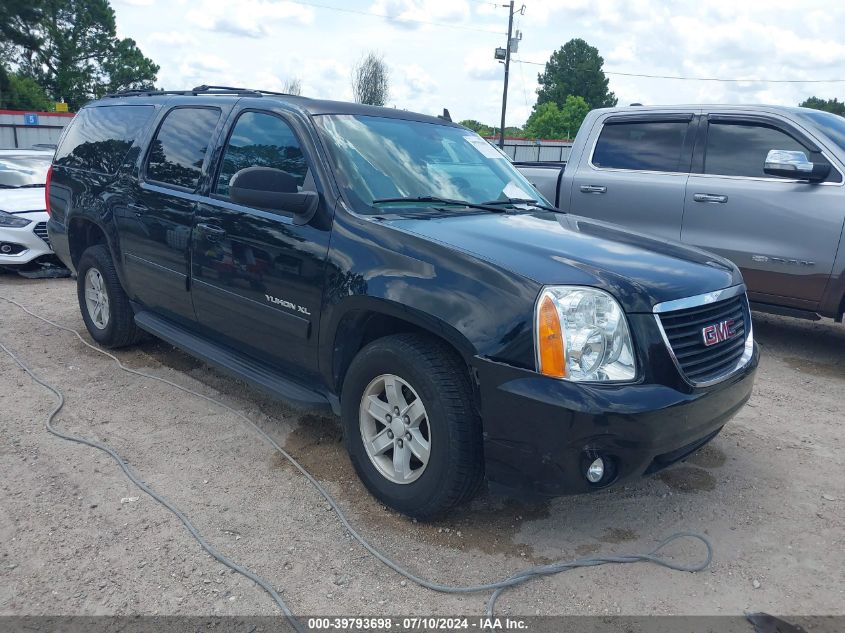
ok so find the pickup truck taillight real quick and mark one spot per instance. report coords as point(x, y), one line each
point(47, 190)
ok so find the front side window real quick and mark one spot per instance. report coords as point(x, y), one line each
point(381, 157)
point(642, 145)
point(179, 147)
point(740, 149)
point(261, 140)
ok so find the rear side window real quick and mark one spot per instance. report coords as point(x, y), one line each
point(649, 146)
point(179, 147)
point(261, 140)
point(735, 149)
point(99, 137)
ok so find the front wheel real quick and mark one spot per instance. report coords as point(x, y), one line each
point(412, 432)
point(105, 307)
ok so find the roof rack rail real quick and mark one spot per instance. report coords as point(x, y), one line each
point(203, 89)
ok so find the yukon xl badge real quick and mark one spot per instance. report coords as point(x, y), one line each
point(718, 332)
point(287, 304)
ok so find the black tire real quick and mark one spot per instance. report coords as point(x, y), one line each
point(455, 469)
point(120, 329)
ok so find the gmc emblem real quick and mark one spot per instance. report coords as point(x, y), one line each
point(718, 332)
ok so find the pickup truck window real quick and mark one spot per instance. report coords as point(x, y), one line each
point(99, 137)
point(379, 157)
point(832, 125)
point(643, 146)
point(261, 140)
point(179, 147)
point(735, 149)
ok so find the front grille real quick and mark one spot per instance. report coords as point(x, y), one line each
point(701, 363)
point(41, 231)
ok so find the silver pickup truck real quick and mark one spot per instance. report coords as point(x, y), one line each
point(760, 185)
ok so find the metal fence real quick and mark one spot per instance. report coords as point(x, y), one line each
point(534, 151)
point(25, 129)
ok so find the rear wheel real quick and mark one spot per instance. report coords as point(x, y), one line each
point(105, 307)
point(410, 426)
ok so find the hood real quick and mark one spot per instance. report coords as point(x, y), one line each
point(552, 248)
point(22, 200)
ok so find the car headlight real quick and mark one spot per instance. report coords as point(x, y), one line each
point(10, 221)
point(582, 335)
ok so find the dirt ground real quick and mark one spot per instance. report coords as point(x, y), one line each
point(77, 538)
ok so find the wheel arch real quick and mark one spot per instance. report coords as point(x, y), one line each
point(365, 321)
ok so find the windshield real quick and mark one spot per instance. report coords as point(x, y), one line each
point(23, 171)
point(832, 125)
point(377, 158)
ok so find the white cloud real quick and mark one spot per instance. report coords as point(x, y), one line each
point(260, 43)
point(247, 18)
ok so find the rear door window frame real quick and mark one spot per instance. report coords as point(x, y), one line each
point(209, 150)
point(685, 160)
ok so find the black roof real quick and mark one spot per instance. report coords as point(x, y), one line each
point(305, 105)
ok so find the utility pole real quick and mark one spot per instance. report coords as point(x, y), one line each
point(507, 70)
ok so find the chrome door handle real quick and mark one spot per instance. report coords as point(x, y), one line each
point(212, 233)
point(593, 189)
point(710, 197)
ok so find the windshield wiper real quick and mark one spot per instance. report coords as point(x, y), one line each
point(528, 201)
point(21, 186)
point(447, 201)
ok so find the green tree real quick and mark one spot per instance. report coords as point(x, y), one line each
point(549, 121)
point(575, 69)
point(477, 126)
point(546, 121)
point(22, 93)
point(70, 47)
point(828, 105)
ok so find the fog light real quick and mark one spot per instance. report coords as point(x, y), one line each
point(596, 471)
point(6, 248)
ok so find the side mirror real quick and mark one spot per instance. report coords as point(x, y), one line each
point(272, 190)
point(794, 164)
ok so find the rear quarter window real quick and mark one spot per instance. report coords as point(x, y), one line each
point(99, 137)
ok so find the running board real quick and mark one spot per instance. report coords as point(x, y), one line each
point(234, 364)
point(796, 313)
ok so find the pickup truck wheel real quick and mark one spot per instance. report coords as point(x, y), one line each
point(410, 426)
point(105, 307)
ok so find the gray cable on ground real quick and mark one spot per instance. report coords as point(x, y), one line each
point(495, 587)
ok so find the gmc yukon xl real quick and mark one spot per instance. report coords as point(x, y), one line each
point(759, 185)
point(397, 269)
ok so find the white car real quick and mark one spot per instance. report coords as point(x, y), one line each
point(23, 215)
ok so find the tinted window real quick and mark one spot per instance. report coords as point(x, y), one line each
point(261, 140)
point(831, 124)
point(741, 149)
point(652, 146)
point(99, 137)
point(178, 150)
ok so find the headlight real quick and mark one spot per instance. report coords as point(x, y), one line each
point(8, 220)
point(582, 335)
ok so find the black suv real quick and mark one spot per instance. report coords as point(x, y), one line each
point(396, 269)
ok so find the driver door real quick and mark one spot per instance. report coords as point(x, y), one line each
point(782, 233)
point(257, 276)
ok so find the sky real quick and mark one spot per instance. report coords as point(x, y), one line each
point(440, 52)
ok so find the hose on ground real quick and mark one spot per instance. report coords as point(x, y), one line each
point(496, 587)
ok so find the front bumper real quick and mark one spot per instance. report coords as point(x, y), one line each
point(24, 244)
point(539, 432)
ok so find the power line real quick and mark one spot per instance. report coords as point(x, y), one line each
point(392, 18)
point(768, 81)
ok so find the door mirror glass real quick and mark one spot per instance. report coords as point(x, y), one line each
point(794, 164)
point(271, 189)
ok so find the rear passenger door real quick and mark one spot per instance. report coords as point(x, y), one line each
point(156, 225)
point(257, 275)
point(636, 173)
point(782, 233)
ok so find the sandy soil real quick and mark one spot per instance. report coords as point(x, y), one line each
point(74, 539)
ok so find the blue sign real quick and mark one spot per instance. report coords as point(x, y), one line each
point(30, 118)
